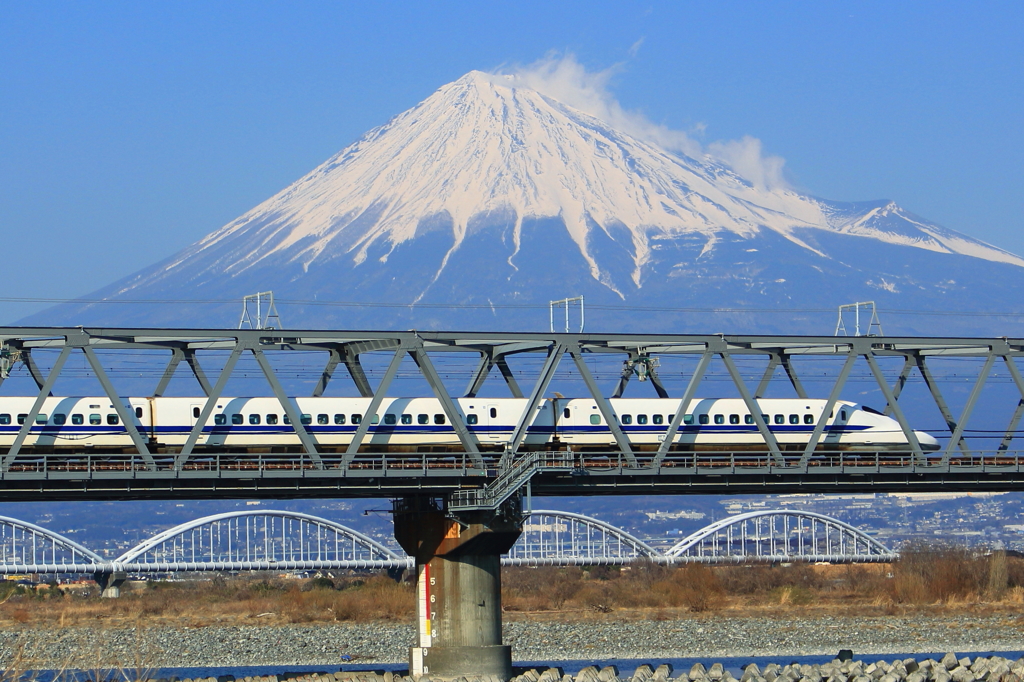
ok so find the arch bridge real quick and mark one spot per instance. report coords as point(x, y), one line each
point(263, 540)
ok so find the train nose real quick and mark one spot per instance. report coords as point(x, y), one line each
point(927, 441)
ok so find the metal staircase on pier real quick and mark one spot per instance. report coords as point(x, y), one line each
point(511, 480)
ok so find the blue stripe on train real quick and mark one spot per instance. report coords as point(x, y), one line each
point(239, 429)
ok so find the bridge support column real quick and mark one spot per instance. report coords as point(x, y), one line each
point(458, 586)
point(110, 583)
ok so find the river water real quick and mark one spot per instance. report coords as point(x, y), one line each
point(625, 666)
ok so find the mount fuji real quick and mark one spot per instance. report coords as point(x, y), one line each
point(475, 208)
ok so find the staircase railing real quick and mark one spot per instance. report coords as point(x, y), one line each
point(510, 480)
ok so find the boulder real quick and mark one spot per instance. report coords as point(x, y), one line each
point(642, 672)
point(950, 662)
point(962, 674)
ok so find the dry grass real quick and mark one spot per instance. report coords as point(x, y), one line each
point(223, 601)
point(933, 578)
point(927, 578)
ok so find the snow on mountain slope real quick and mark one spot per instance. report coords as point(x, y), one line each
point(490, 192)
point(482, 145)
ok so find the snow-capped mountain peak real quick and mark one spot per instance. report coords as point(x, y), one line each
point(490, 192)
point(484, 145)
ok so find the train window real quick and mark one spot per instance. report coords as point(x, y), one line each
point(767, 421)
point(808, 419)
point(703, 419)
point(322, 419)
point(423, 419)
point(254, 419)
point(627, 419)
point(390, 419)
point(494, 413)
point(95, 419)
point(76, 419)
point(306, 419)
point(842, 415)
point(748, 419)
point(271, 419)
point(687, 418)
point(375, 419)
point(794, 419)
point(236, 419)
point(472, 419)
point(658, 419)
point(60, 419)
point(780, 419)
point(220, 419)
point(641, 419)
point(339, 419)
point(734, 419)
point(439, 419)
point(22, 417)
point(406, 419)
point(5, 419)
point(40, 418)
point(112, 419)
point(357, 419)
point(595, 419)
point(566, 413)
point(719, 418)
point(286, 419)
point(195, 412)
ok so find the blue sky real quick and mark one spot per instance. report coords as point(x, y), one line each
point(129, 130)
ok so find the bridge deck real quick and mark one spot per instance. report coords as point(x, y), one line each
point(53, 477)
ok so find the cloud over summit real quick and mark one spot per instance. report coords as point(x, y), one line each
point(564, 78)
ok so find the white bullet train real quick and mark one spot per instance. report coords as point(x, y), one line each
point(67, 424)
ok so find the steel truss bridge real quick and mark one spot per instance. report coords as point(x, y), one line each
point(477, 479)
point(289, 541)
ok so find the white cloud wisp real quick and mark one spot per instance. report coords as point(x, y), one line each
point(562, 77)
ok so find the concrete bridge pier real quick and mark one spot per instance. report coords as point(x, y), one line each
point(110, 583)
point(458, 586)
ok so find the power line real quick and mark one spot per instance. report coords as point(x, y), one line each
point(503, 306)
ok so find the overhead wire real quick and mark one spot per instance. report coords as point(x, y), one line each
point(502, 306)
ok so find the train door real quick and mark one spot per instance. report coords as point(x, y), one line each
point(492, 423)
point(194, 410)
point(567, 422)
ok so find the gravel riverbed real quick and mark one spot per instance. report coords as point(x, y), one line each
point(531, 641)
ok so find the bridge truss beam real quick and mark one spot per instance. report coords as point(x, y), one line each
point(308, 474)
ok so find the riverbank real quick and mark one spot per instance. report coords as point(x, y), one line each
point(597, 639)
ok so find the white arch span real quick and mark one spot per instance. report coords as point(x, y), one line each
point(28, 548)
point(844, 530)
point(559, 538)
point(259, 539)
